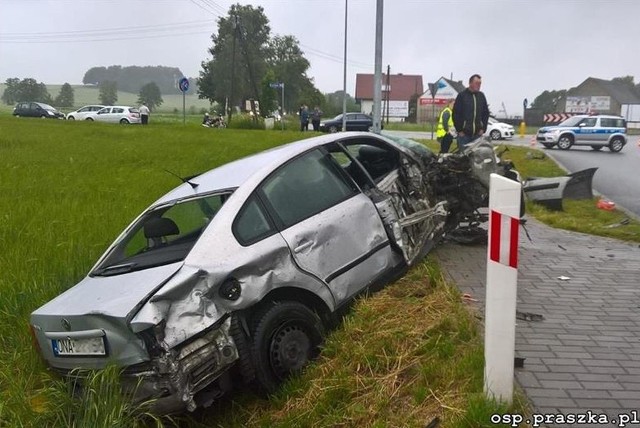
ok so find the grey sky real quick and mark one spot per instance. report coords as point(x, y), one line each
point(519, 47)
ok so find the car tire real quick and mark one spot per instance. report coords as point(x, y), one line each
point(596, 148)
point(124, 122)
point(285, 336)
point(616, 144)
point(245, 362)
point(71, 118)
point(548, 145)
point(565, 142)
point(495, 134)
point(43, 117)
point(333, 129)
point(89, 119)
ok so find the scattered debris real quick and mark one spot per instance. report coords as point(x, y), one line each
point(434, 423)
point(561, 247)
point(563, 278)
point(528, 316)
point(518, 362)
point(622, 222)
point(466, 297)
point(605, 204)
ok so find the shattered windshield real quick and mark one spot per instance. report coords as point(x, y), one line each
point(162, 236)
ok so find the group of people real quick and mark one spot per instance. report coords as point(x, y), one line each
point(315, 116)
point(464, 119)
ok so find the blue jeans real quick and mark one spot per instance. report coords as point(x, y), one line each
point(463, 141)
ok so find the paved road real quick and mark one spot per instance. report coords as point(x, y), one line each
point(585, 354)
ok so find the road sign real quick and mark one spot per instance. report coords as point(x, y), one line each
point(275, 85)
point(183, 84)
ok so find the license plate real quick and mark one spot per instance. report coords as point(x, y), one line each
point(93, 346)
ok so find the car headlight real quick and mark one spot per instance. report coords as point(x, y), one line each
point(50, 113)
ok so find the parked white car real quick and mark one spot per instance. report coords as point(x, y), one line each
point(499, 130)
point(83, 112)
point(116, 114)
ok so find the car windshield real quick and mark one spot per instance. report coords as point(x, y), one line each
point(46, 106)
point(163, 235)
point(572, 121)
point(338, 117)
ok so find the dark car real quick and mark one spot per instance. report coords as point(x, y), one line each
point(32, 109)
point(355, 122)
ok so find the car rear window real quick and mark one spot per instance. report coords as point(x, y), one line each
point(610, 122)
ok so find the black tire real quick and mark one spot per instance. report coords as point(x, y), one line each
point(495, 134)
point(285, 336)
point(245, 363)
point(616, 144)
point(333, 129)
point(548, 145)
point(124, 122)
point(596, 148)
point(43, 117)
point(565, 142)
point(89, 119)
point(71, 118)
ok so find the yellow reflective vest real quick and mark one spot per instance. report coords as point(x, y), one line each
point(440, 131)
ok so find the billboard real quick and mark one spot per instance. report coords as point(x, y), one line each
point(588, 104)
point(396, 108)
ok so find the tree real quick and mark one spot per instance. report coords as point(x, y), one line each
point(11, 91)
point(108, 92)
point(269, 95)
point(65, 98)
point(333, 103)
point(26, 90)
point(548, 101)
point(150, 95)
point(239, 53)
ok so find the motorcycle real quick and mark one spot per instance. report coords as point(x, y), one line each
point(214, 122)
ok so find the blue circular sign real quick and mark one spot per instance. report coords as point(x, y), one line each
point(183, 84)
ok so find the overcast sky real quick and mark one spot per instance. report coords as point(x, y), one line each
point(520, 47)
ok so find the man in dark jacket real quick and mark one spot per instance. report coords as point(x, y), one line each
point(470, 113)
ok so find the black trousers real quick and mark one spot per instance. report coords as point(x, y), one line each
point(144, 118)
point(445, 143)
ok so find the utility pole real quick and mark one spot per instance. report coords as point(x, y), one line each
point(377, 77)
point(233, 67)
point(388, 91)
point(344, 77)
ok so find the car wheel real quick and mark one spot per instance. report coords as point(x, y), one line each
point(71, 118)
point(548, 145)
point(596, 148)
point(565, 142)
point(89, 119)
point(333, 129)
point(43, 117)
point(495, 134)
point(124, 122)
point(285, 337)
point(616, 144)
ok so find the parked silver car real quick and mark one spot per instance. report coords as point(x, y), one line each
point(83, 112)
point(237, 273)
point(116, 114)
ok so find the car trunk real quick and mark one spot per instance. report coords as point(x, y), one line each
point(88, 325)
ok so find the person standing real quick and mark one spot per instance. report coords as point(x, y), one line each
point(304, 118)
point(315, 118)
point(445, 130)
point(144, 114)
point(470, 112)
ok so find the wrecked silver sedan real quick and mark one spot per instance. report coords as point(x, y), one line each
point(235, 275)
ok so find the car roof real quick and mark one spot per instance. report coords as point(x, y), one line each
point(254, 167)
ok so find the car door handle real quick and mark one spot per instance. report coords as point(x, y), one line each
point(303, 246)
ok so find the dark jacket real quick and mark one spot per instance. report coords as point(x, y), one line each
point(470, 112)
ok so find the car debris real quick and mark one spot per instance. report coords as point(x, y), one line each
point(236, 275)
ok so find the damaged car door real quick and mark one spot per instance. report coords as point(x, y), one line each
point(394, 180)
point(333, 230)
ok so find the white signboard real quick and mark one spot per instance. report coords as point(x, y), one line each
point(396, 108)
point(588, 104)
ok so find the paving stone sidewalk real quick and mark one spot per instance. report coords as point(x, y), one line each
point(585, 354)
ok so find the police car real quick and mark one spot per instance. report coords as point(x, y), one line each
point(597, 131)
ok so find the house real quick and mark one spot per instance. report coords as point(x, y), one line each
point(397, 91)
point(604, 96)
point(430, 105)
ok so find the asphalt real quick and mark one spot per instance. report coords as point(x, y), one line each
point(582, 356)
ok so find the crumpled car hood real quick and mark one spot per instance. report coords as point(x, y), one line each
point(114, 296)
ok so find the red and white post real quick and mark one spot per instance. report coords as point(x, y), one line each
point(502, 285)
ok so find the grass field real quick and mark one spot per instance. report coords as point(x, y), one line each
point(404, 356)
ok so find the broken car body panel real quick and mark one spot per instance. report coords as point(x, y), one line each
point(179, 294)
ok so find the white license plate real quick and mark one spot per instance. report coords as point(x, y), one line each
point(93, 346)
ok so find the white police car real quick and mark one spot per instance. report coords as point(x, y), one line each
point(597, 131)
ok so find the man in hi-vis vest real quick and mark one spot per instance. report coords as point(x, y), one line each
point(445, 130)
